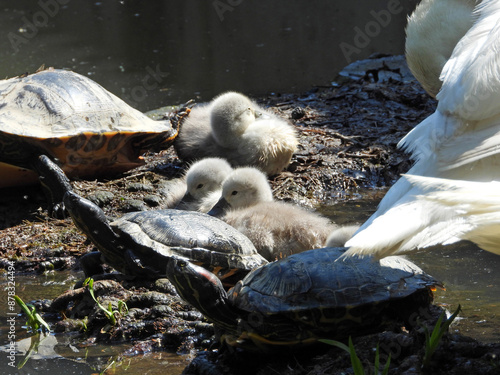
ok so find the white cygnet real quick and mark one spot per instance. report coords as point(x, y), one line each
point(235, 128)
point(277, 229)
point(201, 186)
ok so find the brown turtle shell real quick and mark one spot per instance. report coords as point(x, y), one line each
point(68, 116)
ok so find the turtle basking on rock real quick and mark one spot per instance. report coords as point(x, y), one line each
point(307, 296)
point(142, 243)
point(73, 120)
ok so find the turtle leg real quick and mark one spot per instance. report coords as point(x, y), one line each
point(92, 264)
point(55, 184)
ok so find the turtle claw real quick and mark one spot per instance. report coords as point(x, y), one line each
point(179, 116)
point(55, 184)
point(57, 210)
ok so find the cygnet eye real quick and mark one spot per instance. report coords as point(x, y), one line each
point(234, 192)
point(199, 186)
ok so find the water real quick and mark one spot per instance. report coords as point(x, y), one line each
point(158, 53)
point(58, 353)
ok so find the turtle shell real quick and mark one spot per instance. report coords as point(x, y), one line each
point(154, 236)
point(70, 117)
point(316, 294)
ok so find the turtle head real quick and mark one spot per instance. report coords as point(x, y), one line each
point(203, 290)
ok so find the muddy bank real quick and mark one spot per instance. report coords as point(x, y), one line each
point(348, 133)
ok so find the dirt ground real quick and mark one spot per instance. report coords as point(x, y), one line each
point(348, 133)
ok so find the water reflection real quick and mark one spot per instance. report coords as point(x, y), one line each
point(165, 52)
point(56, 354)
point(61, 353)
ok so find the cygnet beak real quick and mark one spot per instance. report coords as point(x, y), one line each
point(187, 198)
point(220, 208)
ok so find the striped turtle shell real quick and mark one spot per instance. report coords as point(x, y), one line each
point(307, 296)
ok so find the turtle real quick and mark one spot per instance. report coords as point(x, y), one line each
point(73, 120)
point(141, 244)
point(316, 294)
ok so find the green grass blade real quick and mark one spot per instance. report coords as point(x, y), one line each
point(43, 323)
point(386, 367)
point(357, 366)
point(432, 341)
point(34, 320)
point(355, 361)
point(338, 344)
point(377, 360)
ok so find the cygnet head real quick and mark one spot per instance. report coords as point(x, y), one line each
point(244, 187)
point(203, 178)
point(230, 116)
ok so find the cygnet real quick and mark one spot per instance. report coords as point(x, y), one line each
point(201, 186)
point(235, 128)
point(277, 229)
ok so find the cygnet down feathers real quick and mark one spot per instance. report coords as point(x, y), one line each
point(276, 229)
point(235, 128)
point(200, 188)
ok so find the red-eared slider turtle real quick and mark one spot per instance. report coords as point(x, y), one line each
point(71, 118)
point(142, 243)
point(304, 297)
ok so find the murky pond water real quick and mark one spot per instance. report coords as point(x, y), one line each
point(158, 53)
point(60, 353)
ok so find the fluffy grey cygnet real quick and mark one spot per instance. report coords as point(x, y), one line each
point(277, 229)
point(200, 188)
point(235, 128)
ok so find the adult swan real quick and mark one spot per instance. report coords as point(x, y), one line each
point(455, 147)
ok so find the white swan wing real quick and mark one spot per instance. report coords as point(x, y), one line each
point(471, 77)
point(461, 140)
point(470, 95)
point(475, 206)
